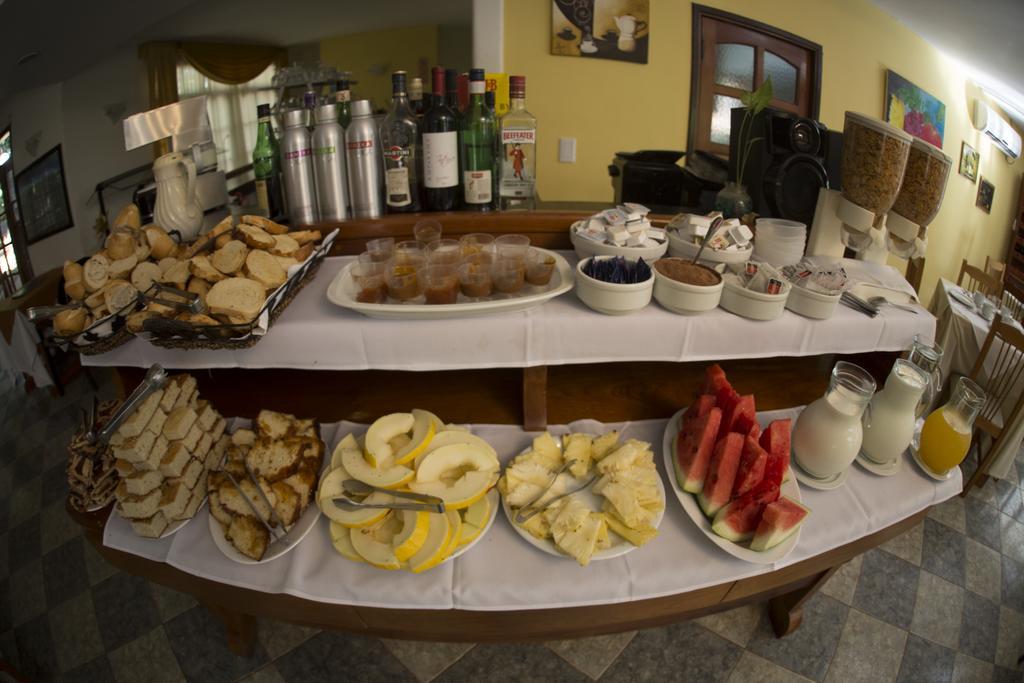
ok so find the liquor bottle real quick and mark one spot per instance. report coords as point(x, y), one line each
point(329, 164)
point(416, 96)
point(266, 167)
point(440, 152)
point(437, 96)
point(489, 100)
point(343, 98)
point(451, 91)
point(399, 138)
point(477, 147)
point(518, 150)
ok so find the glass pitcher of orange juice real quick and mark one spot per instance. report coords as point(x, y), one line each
point(946, 435)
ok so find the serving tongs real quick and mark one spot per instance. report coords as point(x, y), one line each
point(36, 313)
point(156, 377)
point(531, 509)
point(278, 533)
point(354, 487)
point(181, 301)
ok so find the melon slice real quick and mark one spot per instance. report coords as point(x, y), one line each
point(738, 520)
point(721, 475)
point(455, 533)
point(348, 442)
point(469, 533)
point(392, 477)
point(694, 445)
point(374, 543)
point(468, 489)
point(751, 470)
point(381, 432)
point(415, 527)
point(714, 380)
point(451, 437)
point(448, 463)
point(341, 539)
point(478, 513)
point(423, 429)
point(432, 552)
point(779, 521)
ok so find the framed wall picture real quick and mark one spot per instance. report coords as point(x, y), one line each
point(601, 29)
point(985, 192)
point(913, 110)
point(968, 162)
point(43, 197)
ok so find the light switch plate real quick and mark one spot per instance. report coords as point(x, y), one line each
point(567, 150)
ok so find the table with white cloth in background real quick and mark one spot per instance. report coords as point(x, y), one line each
point(20, 355)
point(961, 334)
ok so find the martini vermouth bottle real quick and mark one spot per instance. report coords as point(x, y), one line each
point(399, 137)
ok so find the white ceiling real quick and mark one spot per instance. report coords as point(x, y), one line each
point(72, 35)
point(984, 36)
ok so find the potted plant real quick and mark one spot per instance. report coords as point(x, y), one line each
point(733, 200)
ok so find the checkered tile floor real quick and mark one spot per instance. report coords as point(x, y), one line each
point(944, 602)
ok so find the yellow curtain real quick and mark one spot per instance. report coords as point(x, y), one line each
point(231, 64)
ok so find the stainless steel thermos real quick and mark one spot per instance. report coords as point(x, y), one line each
point(297, 168)
point(329, 164)
point(365, 163)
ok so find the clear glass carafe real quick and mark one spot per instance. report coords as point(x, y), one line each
point(946, 435)
point(890, 419)
point(828, 434)
point(927, 357)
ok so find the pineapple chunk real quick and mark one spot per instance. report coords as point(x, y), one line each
point(635, 536)
point(522, 494)
point(604, 541)
point(620, 459)
point(578, 451)
point(576, 531)
point(604, 444)
point(629, 510)
point(547, 451)
point(531, 472)
point(571, 517)
point(538, 526)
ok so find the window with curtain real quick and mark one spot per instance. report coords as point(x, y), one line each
point(232, 110)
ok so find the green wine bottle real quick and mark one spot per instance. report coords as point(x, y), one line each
point(477, 149)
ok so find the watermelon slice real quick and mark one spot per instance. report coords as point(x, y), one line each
point(751, 470)
point(721, 474)
point(738, 520)
point(694, 444)
point(775, 440)
point(742, 407)
point(746, 424)
point(699, 408)
point(714, 380)
point(779, 521)
point(755, 431)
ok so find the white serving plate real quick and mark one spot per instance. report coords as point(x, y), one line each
point(692, 508)
point(342, 292)
point(650, 251)
point(678, 246)
point(619, 547)
point(493, 499)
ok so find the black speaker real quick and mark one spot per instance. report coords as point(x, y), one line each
point(792, 158)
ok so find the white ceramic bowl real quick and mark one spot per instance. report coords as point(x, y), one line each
point(677, 246)
point(812, 304)
point(750, 304)
point(585, 248)
point(684, 298)
point(608, 298)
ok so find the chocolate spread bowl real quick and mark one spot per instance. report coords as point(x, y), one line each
point(684, 287)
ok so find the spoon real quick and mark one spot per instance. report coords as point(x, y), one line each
point(882, 301)
point(712, 229)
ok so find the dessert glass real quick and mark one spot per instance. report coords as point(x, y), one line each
point(381, 249)
point(370, 279)
point(512, 246)
point(444, 253)
point(508, 274)
point(539, 267)
point(476, 242)
point(426, 231)
point(440, 284)
point(475, 279)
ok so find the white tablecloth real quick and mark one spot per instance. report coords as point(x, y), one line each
point(504, 572)
point(22, 354)
point(315, 334)
point(962, 333)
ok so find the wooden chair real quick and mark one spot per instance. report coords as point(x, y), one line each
point(996, 269)
point(978, 281)
point(1001, 410)
point(1015, 305)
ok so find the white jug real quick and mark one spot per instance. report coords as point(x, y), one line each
point(628, 28)
point(892, 415)
point(177, 207)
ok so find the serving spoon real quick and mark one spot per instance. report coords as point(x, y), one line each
point(712, 229)
point(882, 301)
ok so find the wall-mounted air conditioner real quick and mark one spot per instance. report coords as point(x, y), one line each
point(989, 122)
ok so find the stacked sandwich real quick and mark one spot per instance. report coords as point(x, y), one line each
point(164, 451)
point(283, 456)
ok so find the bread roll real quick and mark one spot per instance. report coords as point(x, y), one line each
point(177, 275)
point(238, 298)
point(200, 266)
point(130, 217)
point(264, 268)
point(122, 268)
point(136, 320)
point(71, 321)
point(144, 275)
point(73, 285)
point(160, 243)
point(141, 251)
point(222, 228)
point(265, 223)
point(230, 258)
point(96, 271)
point(120, 245)
point(119, 294)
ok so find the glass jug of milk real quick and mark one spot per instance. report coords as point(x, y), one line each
point(828, 434)
point(891, 416)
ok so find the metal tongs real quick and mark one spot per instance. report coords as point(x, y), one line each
point(354, 487)
point(531, 511)
point(182, 301)
point(278, 533)
point(36, 313)
point(156, 377)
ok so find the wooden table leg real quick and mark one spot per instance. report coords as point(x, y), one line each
point(535, 398)
point(787, 611)
point(241, 629)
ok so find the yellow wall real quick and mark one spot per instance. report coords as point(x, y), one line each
point(610, 106)
point(371, 57)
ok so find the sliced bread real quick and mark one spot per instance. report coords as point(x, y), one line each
point(265, 223)
point(151, 527)
point(144, 274)
point(230, 258)
point(96, 272)
point(305, 236)
point(264, 268)
point(284, 246)
point(201, 267)
point(237, 297)
point(255, 237)
point(249, 536)
point(274, 459)
point(179, 422)
point(160, 243)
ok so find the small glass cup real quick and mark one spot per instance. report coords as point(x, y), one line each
point(381, 249)
point(539, 267)
point(404, 283)
point(508, 274)
point(444, 253)
point(440, 284)
point(371, 283)
point(426, 231)
point(475, 280)
point(476, 242)
point(512, 246)
point(409, 253)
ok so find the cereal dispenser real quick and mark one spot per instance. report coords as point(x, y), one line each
point(924, 184)
point(874, 160)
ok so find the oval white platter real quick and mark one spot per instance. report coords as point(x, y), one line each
point(619, 547)
point(492, 498)
point(175, 527)
point(342, 292)
point(689, 502)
